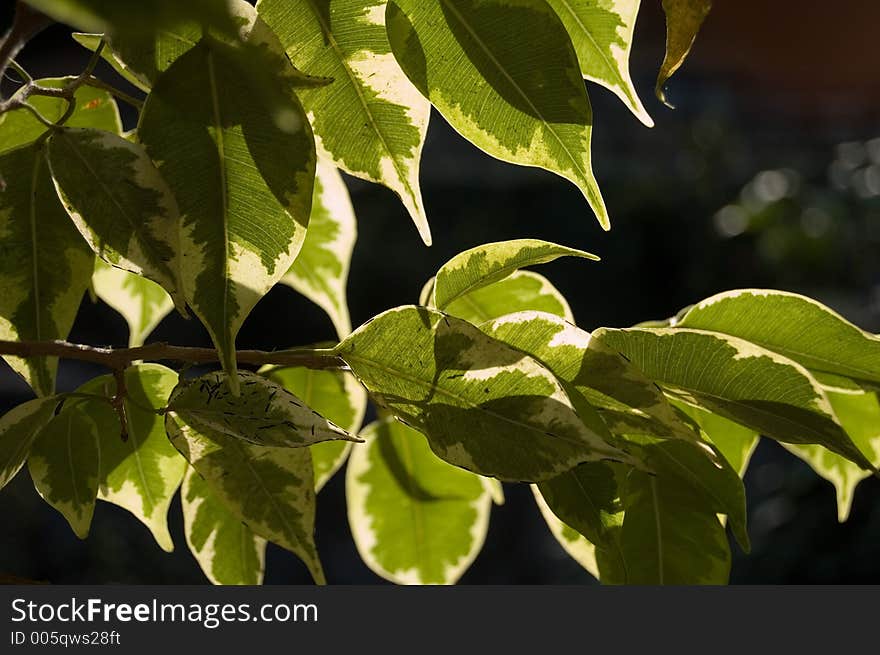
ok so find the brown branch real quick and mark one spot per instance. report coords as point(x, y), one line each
point(121, 358)
point(27, 23)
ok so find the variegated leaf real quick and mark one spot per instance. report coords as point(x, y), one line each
point(227, 551)
point(478, 267)
point(602, 34)
point(859, 414)
point(572, 542)
point(700, 467)
point(794, 326)
point(65, 465)
point(522, 291)
point(371, 120)
point(238, 153)
point(333, 394)
point(45, 265)
point(627, 402)
point(414, 518)
point(120, 203)
point(94, 108)
point(505, 75)
point(131, 75)
point(586, 499)
point(683, 21)
point(670, 535)
point(734, 441)
point(263, 414)
point(146, 17)
point(142, 303)
point(270, 489)
point(320, 272)
point(19, 428)
point(739, 380)
point(140, 471)
point(483, 405)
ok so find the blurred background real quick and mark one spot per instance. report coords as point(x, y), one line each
point(766, 175)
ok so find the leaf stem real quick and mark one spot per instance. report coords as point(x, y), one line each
point(122, 358)
point(109, 88)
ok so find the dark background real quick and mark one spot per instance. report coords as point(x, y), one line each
point(766, 175)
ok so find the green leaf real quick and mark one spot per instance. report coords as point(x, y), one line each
point(794, 326)
point(492, 262)
point(602, 34)
point(320, 272)
point(19, 428)
point(142, 303)
point(414, 518)
point(683, 21)
point(240, 159)
point(270, 489)
point(141, 471)
point(574, 543)
point(709, 476)
point(371, 120)
point(64, 464)
point(524, 290)
point(143, 17)
point(859, 414)
point(333, 394)
point(739, 380)
point(45, 266)
point(586, 499)
point(670, 535)
point(484, 406)
point(109, 54)
point(263, 414)
point(120, 203)
point(94, 108)
point(734, 441)
point(505, 75)
point(228, 552)
point(626, 401)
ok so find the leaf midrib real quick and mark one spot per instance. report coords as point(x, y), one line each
point(331, 39)
point(468, 403)
point(581, 171)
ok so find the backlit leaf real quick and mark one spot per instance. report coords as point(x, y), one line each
point(142, 303)
point(415, 519)
point(64, 463)
point(683, 21)
point(626, 401)
point(574, 543)
point(522, 291)
point(263, 414)
point(483, 265)
point(333, 394)
point(142, 471)
point(94, 108)
point(320, 272)
point(483, 405)
point(505, 75)
point(239, 156)
point(270, 489)
point(120, 203)
point(670, 535)
point(739, 380)
point(794, 326)
point(859, 414)
point(45, 265)
point(602, 34)
point(19, 428)
point(371, 120)
point(227, 550)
